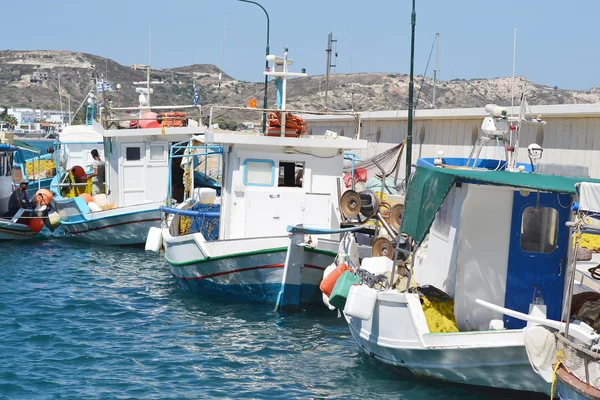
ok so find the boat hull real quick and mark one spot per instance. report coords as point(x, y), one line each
point(15, 231)
point(490, 358)
point(243, 269)
point(119, 226)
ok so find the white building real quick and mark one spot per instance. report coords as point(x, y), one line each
point(29, 119)
point(571, 134)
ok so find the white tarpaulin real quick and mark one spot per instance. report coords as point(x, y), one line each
point(589, 197)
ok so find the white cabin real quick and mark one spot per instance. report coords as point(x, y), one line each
point(272, 182)
point(137, 163)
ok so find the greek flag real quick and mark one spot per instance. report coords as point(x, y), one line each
point(99, 86)
point(196, 97)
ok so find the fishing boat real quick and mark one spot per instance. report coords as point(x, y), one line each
point(20, 225)
point(236, 244)
point(136, 143)
point(485, 243)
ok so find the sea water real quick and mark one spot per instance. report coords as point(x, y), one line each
point(79, 321)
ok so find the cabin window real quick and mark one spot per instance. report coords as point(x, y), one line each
point(157, 152)
point(259, 173)
point(291, 174)
point(443, 219)
point(539, 229)
point(133, 154)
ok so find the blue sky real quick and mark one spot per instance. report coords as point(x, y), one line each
point(556, 40)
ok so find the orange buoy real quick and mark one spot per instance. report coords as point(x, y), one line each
point(149, 120)
point(43, 197)
point(36, 224)
point(329, 281)
point(79, 174)
point(87, 197)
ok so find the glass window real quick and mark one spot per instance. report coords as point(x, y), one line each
point(291, 174)
point(539, 229)
point(259, 173)
point(133, 154)
point(157, 152)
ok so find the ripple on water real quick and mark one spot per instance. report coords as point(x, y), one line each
point(84, 321)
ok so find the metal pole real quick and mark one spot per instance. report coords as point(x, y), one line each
point(411, 89)
point(435, 70)
point(328, 50)
point(264, 121)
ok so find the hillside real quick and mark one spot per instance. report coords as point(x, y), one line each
point(30, 79)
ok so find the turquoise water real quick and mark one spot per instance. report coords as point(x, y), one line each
point(87, 322)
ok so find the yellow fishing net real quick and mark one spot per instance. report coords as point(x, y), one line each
point(185, 223)
point(439, 315)
point(590, 242)
point(74, 191)
point(43, 170)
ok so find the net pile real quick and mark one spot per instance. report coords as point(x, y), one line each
point(581, 362)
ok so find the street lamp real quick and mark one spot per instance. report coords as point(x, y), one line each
point(264, 121)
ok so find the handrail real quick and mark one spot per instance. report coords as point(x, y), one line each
point(321, 231)
point(189, 213)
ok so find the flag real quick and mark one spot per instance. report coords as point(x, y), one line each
point(196, 97)
point(99, 86)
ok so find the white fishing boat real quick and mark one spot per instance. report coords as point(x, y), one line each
point(238, 245)
point(21, 224)
point(136, 143)
point(487, 245)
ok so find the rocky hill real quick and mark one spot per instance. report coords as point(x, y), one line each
point(30, 79)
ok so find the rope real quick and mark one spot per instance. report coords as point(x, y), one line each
point(380, 158)
point(553, 380)
point(370, 280)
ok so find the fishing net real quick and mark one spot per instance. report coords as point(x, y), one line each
point(578, 360)
point(381, 159)
point(206, 222)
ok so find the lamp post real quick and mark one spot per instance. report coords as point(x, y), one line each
point(413, 22)
point(264, 121)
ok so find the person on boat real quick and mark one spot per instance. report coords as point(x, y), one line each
point(18, 199)
point(98, 174)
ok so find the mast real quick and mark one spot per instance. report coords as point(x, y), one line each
point(328, 50)
point(149, 59)
point(411, 89)
point(435, 69)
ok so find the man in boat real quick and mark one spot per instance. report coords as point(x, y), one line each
point(98, 174)
point(18, 199)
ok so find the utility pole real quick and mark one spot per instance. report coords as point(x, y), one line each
point(435, 69)
point(329, 41)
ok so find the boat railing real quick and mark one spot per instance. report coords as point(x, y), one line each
point(188, 151)
point(218, 111)
point(114, 114)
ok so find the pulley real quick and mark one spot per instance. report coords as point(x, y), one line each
point(396, 216)
point(350, 204)
point(382, 247)
point(369, 203)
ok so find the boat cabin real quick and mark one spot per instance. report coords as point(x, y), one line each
point(272, 182)
point(489, 234)
point(137, 163)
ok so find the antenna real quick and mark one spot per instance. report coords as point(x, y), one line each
point(435, 69)
point(350, 54)
point(512, 96)
point(106, 61)
point(60, 96)
point(149, 58)
point(222, 55)
point(328, 50)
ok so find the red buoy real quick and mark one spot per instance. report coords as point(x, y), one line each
point(36, 224)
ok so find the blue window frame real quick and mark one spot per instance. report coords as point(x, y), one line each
point(256, 172)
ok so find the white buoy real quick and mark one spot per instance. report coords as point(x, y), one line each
point(94, 207)
point(154, 240)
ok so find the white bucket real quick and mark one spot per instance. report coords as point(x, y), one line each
point(94, 207)
point(205, 195)
point(154, 240)
point(100, 199)
point(361, 302)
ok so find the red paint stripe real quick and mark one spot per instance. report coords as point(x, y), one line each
point(110, 226)
point(233, 271)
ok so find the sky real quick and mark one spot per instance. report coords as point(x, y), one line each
point(556, 40)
